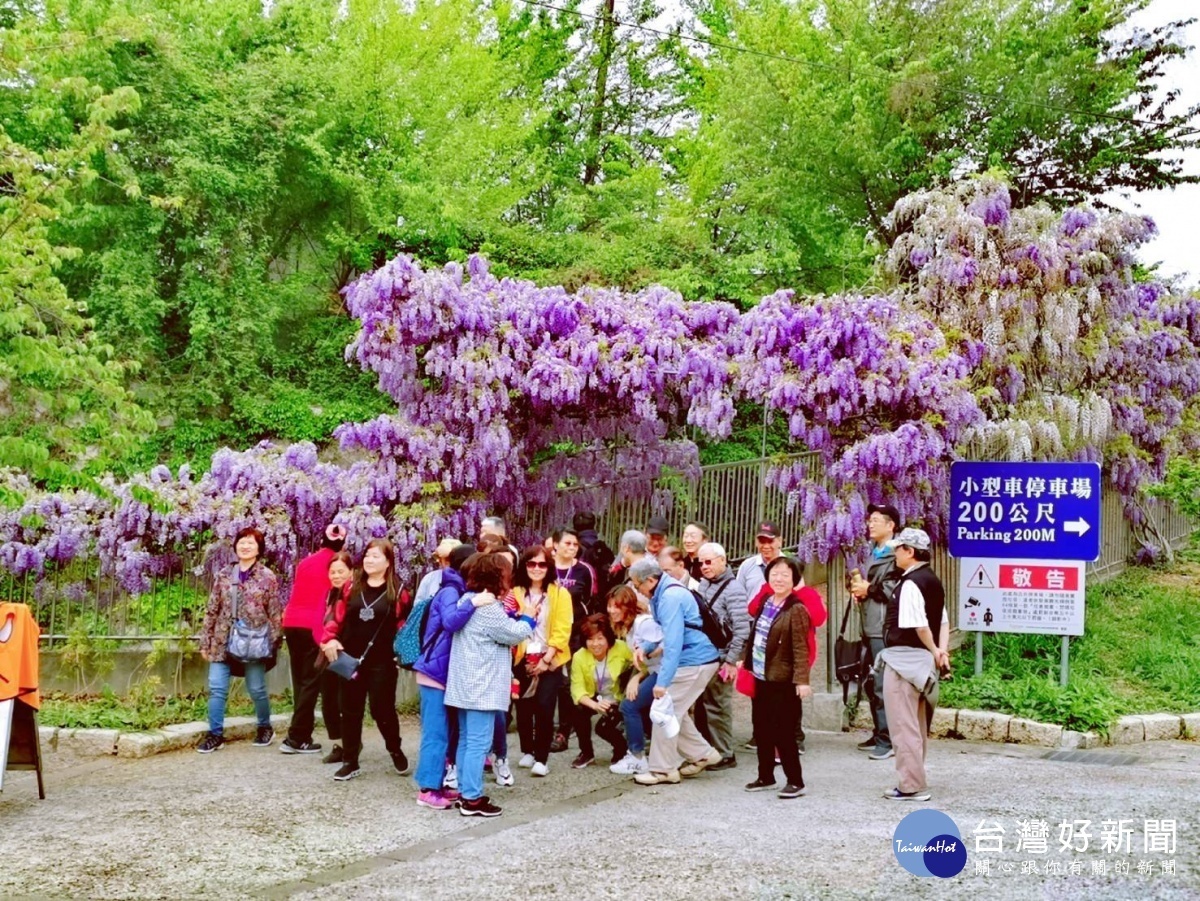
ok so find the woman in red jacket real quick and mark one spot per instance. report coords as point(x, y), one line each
point(303, 623)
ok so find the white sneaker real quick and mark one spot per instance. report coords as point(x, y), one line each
point(540, 769)
point(451, 780)
point(526, 761)
point(630, 766)
point(504, 775)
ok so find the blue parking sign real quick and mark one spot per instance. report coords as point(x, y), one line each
point(1038, 511)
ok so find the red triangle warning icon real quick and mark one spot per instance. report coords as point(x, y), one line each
point(981, 579)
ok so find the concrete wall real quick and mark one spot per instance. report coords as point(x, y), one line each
point(125, 668)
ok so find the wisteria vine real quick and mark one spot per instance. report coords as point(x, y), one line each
point(1013, 334)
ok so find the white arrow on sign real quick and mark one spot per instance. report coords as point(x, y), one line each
point(1078, 526)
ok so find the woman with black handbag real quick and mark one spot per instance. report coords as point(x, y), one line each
point(358, 644)
point(241, 634)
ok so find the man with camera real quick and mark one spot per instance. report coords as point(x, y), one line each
point(873, 593)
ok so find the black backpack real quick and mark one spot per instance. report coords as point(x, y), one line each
point(600, 558)
point(712, 627)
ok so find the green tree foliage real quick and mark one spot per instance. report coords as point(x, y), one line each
point(202, 177)
point(854, 104)
point(64, 407)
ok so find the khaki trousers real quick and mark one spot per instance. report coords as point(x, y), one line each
point(905, 708)
point(689, 683)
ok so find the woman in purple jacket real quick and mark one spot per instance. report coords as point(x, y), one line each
point(445, 618)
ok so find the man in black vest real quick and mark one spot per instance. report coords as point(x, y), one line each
point(916, 638)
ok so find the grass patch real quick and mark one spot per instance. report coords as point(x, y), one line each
point(1138, 654)
point(140, 712)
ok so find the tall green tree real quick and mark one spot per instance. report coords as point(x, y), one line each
point(64, 407)
point(846, 106)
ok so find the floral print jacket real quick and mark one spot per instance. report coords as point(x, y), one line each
point(258, 603)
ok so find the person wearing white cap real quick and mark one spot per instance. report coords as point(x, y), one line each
point(916, 638)
point(688, 663)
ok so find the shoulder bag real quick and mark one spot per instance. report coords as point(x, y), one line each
point(247, 643)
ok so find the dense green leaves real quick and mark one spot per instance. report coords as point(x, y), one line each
point(186, 185)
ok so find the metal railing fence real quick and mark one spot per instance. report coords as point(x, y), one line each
point(730, 499)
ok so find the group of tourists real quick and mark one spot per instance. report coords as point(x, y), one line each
point(642, 648)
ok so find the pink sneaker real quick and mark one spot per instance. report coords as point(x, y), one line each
point(434, 799)
point(450, 795)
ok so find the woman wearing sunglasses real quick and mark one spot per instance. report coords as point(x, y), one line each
point(539, 660)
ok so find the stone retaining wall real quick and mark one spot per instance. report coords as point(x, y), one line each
point(824, 713)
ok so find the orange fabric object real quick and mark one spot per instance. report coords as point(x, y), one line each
point(19, 655)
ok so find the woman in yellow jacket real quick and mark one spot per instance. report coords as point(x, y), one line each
point(539, 661)
point(596, 671)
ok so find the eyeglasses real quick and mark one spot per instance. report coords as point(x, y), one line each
point(537, 564)
point(707, 562)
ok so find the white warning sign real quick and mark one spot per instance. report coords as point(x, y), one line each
point(1030, 596)
point(980, 578)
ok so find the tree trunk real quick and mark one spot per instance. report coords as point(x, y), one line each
point(596, 129)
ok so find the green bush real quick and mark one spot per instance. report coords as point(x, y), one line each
point(142, 710)
point(1138, 654)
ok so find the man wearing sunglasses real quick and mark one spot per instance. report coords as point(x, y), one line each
point(727, 600)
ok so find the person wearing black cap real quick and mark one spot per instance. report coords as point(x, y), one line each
point(752, 574)
point(873, 593)
point(656, 535)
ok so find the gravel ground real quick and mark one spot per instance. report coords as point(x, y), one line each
point(252, 822)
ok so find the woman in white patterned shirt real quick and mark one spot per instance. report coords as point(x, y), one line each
point(480, 676)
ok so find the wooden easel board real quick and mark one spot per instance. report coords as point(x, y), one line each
point(20, 743)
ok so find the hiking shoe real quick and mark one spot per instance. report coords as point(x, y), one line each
point(504, 775)
point(868, 745)
point(289, 746)
point(263, 737)
point(630, 766)
point(335, 755)
point(761, 785)
point(451, 780)
point(526, 761)
point(671, 777)
point(559, 743)
point(346, 772)
point(584, 759)
point(540, 769)
point(212, 742)
point(895, 794)
point(696, 767)
point(434, 799)
point(725, 763)
point(400, 762)
point(882, 754)
point(479, 807)
point(791, 791)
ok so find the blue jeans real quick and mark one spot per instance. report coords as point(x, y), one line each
point(218, 692)
point(500, 735)
point(632, 711)
point(475, 729)
point(435, 737)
